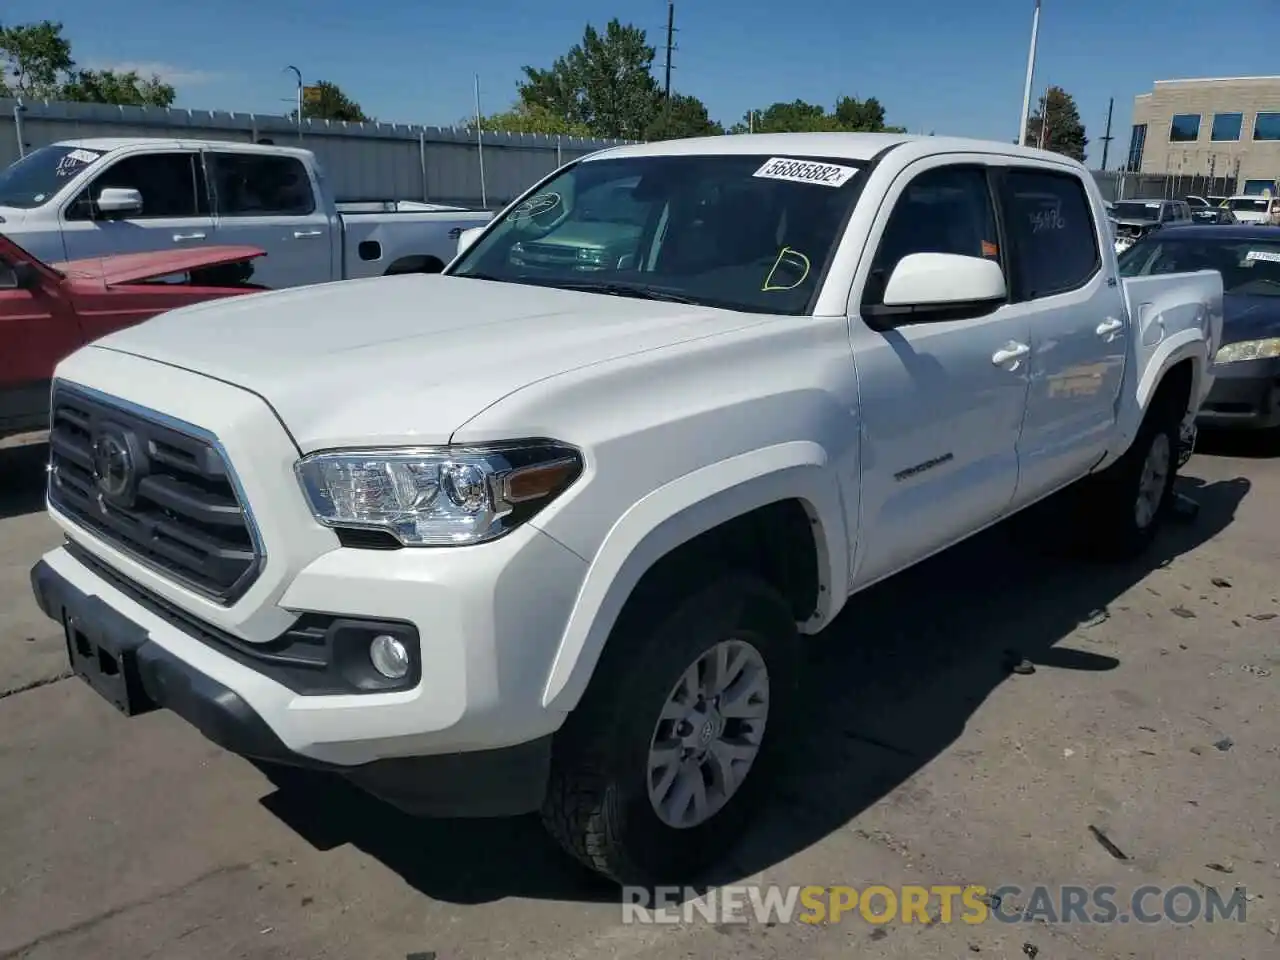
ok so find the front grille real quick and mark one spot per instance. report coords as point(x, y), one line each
point(157, 491)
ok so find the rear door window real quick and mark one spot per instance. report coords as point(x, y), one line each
point(260, 185)
point(1051, 230)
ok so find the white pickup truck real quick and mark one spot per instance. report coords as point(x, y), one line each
point(546, 532)
point(86, 198)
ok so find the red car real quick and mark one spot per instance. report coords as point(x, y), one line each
point(49, 310)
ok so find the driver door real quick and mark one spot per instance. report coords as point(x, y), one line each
point(175, 207)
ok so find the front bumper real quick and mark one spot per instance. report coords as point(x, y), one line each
point(1244, 396)
point(121, 660)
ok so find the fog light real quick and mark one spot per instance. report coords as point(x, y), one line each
point(389, 657)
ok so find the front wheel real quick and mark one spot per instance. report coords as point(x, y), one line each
point(662, 765)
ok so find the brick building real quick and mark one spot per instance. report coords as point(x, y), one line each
point(1226, 127)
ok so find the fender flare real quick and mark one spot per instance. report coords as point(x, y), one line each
point(673, 515)
point(1183, 345)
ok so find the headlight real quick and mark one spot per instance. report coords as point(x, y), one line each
point(437, 496)
point(1249, 350)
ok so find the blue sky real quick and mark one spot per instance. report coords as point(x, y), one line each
point(954, 68)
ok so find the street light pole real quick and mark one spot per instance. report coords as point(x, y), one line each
point(298, 73)
point(1031, 69)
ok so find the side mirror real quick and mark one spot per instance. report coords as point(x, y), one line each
point(119, 201)
point(929, 286)
point(467, 237)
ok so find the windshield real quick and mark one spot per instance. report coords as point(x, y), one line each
point(751, 233)
point(40, 174)
point(1136, 210)
point(1257, 205)
point(1248, 267)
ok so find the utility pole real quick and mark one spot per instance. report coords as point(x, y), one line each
point(1031, 69)
point(1042, 139)
point(298, 74)
point(1106, 141)
point(671, 37)
point(484, 198)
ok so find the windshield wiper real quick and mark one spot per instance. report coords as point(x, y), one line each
point(614, 288)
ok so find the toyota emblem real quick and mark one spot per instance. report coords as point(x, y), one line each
point(113, 467)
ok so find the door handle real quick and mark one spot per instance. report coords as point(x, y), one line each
point(179, 237)
point(1012, 353)
point(1108, 328)
point(303, 234)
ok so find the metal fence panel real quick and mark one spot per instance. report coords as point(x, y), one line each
point(363, 161)
point(1119, 185)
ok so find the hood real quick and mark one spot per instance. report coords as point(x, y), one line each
point(1249, 318)
point(406, 359)
point(11, 216)
point(135, 267)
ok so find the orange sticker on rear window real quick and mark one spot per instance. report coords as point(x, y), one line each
point(990, 249)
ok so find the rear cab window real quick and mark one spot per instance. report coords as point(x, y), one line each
point(260, 185)
point(1051, 230)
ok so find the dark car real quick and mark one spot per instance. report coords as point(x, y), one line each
point(1246, 389)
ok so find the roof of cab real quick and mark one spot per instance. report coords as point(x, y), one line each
point(845, 146)
point(108, 144)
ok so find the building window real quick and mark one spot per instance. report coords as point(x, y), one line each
point(1137, 140)
point(1226, 126)
point(1267, 126)
point(1185, 128)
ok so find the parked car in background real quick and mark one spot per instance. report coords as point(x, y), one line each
point(1219, 215)
point(1216, 201)
point(49, 310)
point(1246, 388)
point(87, 198)
point(1254, 209)
point(1194, 201)
point(1134, 219)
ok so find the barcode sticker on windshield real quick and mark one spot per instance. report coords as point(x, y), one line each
point(73, 161)
point(805, 171)
point(83, 156)
point(1270, 256)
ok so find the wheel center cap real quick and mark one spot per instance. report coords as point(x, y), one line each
point(710, 730)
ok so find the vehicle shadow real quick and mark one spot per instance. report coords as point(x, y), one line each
point(894, 680)
point(22, 479)
point(1245, 444)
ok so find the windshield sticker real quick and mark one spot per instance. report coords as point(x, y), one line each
point(73, 162)
point(1269, 256)
point(789, 263)
point(1152, 206)
point(990, 249)
point(805, 171)
point(535, 206)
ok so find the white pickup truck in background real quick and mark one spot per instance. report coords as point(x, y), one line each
point(85, 198)
point(546, 532)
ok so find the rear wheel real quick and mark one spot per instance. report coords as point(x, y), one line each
point(662, 765)
point(1124, 506)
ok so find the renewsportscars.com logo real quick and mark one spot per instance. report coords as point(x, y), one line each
point(770, 904)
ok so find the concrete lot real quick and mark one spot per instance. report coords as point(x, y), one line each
point(1150, 716)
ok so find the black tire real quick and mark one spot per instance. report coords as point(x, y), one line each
point(597, 805)
point(1107, 503)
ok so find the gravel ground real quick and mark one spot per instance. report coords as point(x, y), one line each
point(1148, 717)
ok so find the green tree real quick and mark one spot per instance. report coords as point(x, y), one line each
point(851, 115)
point(108, 86)
point(33, 58)
point(1059, 118)
point(329, 102)
point(528, 118)
point(604, 83)
point(681, 116)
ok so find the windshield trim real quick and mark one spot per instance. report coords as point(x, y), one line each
point(863, 167)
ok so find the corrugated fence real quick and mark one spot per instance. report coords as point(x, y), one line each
point(363, 161)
